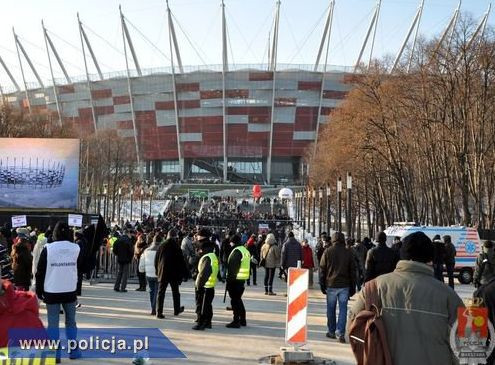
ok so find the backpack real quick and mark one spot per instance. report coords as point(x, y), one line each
point(367, 331)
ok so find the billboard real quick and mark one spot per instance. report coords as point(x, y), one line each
point(39, 173)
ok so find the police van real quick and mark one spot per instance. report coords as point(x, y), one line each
point(465, 239)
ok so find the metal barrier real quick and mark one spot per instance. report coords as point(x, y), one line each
point(107, 266)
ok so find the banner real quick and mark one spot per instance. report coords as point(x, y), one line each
point(39, 173)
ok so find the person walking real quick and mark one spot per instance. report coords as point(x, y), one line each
point(308, 261)
point(170, 268)
point(56, 282)
point(487, 293)
point(122, 249)
point(189, 253)
point(225, 250)
point(147, 266)
point(205, 285)
point(238, 267)
point(270, 256)
point(253, 251)
point(438, 257)
point(417, 310)
point(321, 245)
point(450, 254)
point(291, 252)
point(361, 252)
point(22, 262)
point(380, 259)
point(484, 269)
point(337, 273)
point(139, 248)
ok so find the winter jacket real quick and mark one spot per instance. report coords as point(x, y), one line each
point(418, 312)
point(18, 309)
point(147, 261)
point(271, 253)
point(169, 262)
point(484, 270)
point(308, 262)
point(450, 254)
point(487, 293)
point(361, 252)
point(253, 249)
point(381, 260)
point(337, 268)
point(188, 250)
point(439, 252)
point(204, 272)
point(22, 262)
point(5, 263)
point(225, 251)
point(122, 248)
point(320, 248)
point(291, 253)
point(40, 244)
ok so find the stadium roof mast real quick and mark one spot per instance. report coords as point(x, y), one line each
point(450, 29)
point(415, 23)
point(55, 91)
point(273, 68)
point(18, 46)
point(225, 69)
point(480, 30)
point(125, 35)
point(84, 38)
point(373, 25)
point(173, 39)
point(9, 74)
point(327, 30)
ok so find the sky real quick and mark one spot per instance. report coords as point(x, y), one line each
point(198, 27)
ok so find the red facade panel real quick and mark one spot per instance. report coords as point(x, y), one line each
point(118, 100)
point(248, 110)
point(210, 94)
point(285, 101)
point(126, 124)
point(309, 85)
point(326, 110)
point(66, 89)
point(191, 86)
point(101, 94)
point(260, 76)
point(237, 93)
point(334, 94)
point(181, 104)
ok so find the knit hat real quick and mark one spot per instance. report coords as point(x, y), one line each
point(204, 232)
point(235, 239)
point(417, 247)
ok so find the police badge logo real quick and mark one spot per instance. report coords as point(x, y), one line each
point(470, 334)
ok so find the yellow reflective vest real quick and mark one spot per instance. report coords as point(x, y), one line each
point(243, 273)
point(212, 280)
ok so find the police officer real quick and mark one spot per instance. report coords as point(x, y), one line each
point(238, 266)
point(205, 285)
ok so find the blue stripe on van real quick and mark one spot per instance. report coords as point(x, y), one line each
point(465, 259)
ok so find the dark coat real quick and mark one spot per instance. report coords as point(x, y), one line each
point(169, 262)
point(122, 248)
point(381, 260)
point(22, 262)
point(291, 253)
point(487, 293)
point(337, 267)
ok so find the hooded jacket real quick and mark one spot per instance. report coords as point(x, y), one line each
point(484, 270)
point(169, 262)
point(291, 253)
point(18, 309)
point(270, 252)
point(418, 312)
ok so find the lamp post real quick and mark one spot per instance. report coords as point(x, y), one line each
point(327, 209)
point(302, 208)
point(313, 196)
point(151, 197)
point(348, 217)
point(88, 199)
point(142, 197)
point(119, 206)
point(320, 210)
point(105, 200)
point(132, 195)
point(308, 199)
point(339, 205)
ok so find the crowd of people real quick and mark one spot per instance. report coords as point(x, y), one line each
point(407, 277)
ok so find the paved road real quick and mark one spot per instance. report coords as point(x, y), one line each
point(264, 335)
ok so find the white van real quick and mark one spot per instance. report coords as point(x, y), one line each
point(465, 239)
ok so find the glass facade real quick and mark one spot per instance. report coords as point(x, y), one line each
point(170, 167)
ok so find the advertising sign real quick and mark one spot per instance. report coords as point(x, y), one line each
point(19, 221)
point(39, 173)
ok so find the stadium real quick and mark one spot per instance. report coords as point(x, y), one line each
point(251, 123)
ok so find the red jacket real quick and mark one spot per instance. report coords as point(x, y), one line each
point(308, 262)
point(18, 309)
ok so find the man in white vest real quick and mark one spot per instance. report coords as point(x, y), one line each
point(56, 281)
